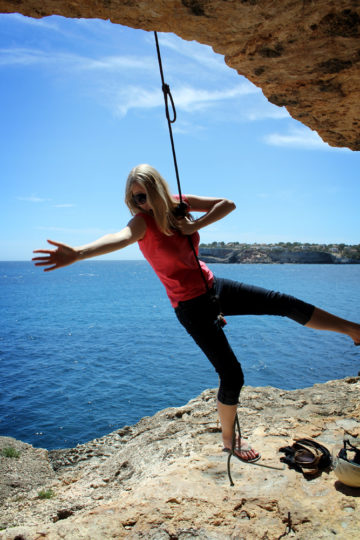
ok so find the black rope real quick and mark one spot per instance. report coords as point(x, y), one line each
point(236, 425)
point(181, 210)
point(232, 453)
point(182, 207)
point(167, 95)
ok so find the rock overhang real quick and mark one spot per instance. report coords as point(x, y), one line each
point(304, 55)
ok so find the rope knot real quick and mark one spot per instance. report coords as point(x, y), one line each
point(166, 88)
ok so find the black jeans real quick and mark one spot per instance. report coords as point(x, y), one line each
point(199, 317)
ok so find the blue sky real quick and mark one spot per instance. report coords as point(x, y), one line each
point(81, 104)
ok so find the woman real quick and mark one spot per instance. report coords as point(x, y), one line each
point(196, 295)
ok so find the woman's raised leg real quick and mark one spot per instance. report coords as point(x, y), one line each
point(322, 320)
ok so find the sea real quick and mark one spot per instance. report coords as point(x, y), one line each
point(87, 349)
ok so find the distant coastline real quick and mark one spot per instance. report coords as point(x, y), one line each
point(280, 253)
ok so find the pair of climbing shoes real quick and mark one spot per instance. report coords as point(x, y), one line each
point(306, 456)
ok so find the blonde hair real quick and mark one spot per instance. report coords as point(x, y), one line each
point(158, 194)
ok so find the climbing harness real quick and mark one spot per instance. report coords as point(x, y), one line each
point(181, 212)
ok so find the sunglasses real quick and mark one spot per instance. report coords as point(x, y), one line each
point(139, 198)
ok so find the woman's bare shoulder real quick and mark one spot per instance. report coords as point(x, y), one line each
point(137, 225)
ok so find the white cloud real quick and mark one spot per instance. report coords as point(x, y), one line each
point(33, 199)
point(20, 56)
point(189, 98)
point(136, 97)
point(298, 137)
point(118, 63)
point(186, 98)
point(271, 112)
point(113, 80)
point(183, 127)
point(28, 56)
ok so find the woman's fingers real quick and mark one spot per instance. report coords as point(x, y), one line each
point(45, 260)
point(51, 268)
point(57, 244)
point(186, 226)
point(53, 243)
point(63, 255)
point(43, 263)
point(49, 255)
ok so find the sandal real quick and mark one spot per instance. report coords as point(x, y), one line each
point(242, 449)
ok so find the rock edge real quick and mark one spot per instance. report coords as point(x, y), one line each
point(165, 477)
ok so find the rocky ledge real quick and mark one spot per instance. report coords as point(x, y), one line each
point(165, 477)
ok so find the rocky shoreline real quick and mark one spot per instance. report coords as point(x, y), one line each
point(262, 255)
point(165, 477)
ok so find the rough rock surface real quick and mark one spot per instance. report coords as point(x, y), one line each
point(165, 477)
point(258, 255)
point(305, 55)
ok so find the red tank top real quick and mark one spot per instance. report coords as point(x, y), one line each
point(174, 262)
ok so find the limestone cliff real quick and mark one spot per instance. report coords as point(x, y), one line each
point(165, 478)
point(305, 55)
point(259, 255)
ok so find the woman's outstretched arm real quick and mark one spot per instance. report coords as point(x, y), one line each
point(63, 255)
point(214, 208)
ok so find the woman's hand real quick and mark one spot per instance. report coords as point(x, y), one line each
point(56, 258)
point(215, 208)
point(186, 226)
